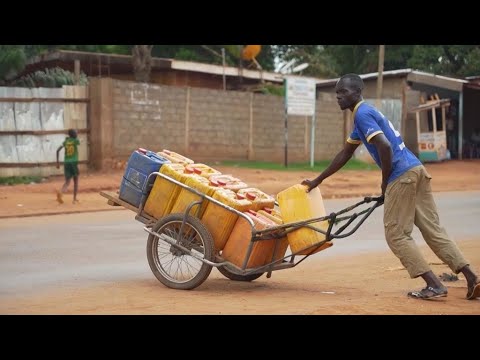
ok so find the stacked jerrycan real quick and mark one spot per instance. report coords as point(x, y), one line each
point(203, 170)
point(175, 158)
point(165, 192)
point(272, 214)
point(219, 220)
point(263, 252)
point(186, 197)
point(259, 199)
point(228, 181)
point(134, 187)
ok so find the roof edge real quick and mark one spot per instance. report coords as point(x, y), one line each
point(392, 73)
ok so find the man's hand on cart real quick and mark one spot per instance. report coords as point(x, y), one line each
point(380, 199)
point(311, 184)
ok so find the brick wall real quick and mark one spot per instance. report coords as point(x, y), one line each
point(206, 124)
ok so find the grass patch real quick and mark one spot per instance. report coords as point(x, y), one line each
point(16, 180)
point(319, 166)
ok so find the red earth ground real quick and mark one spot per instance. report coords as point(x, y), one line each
point(377, 274)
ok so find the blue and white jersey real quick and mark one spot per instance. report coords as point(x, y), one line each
point(368, 122)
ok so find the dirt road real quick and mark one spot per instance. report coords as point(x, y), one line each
point(373, 283)
point(39, 199)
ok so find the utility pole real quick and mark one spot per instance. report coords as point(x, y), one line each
point(223, 63)
point(381, 57)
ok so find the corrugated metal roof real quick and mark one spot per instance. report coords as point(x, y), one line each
point(229, 70)
point(390, 73)
point(157, 63)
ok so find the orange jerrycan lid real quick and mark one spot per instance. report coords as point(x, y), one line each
point(217, 182)
point(192, 169)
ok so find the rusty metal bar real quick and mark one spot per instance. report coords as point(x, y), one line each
point(72, 100)
point(30, 165)
point(41, 132)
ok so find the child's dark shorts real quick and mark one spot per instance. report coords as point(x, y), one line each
point(70, 170)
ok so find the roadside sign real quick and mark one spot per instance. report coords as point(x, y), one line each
point(300, 95)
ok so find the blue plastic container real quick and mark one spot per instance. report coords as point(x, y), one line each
point(134, 188)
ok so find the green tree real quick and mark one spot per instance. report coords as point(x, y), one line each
point(353, 58)
point(448, 60)
point(12, 60)
point(212, 54)
point(320, 63)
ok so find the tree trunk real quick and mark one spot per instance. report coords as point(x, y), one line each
point(142, 62)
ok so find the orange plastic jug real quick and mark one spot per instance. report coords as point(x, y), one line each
point(238, 242)
point(296, 204)
point(283, 242)
point(220, 221)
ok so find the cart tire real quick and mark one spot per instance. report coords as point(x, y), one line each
point(174, 267)
point(231, 274)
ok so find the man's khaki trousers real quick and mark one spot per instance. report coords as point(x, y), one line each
point(408, 201)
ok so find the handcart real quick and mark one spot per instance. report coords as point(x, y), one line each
point(181, 251)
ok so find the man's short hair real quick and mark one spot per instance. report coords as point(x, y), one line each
point(355, 81)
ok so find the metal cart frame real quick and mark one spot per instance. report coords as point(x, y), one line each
point(181, 251)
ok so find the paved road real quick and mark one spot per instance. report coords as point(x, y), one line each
point(99, 248)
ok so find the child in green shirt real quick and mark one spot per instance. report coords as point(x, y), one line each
point(70, 164)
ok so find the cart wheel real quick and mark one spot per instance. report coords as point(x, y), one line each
point(233, 274)
point(174, 267)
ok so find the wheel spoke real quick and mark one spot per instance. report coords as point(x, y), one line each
point(171, 264)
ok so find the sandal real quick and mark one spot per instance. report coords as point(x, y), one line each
point(473, 292)
point(429, 293)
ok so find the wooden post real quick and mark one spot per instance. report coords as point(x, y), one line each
point(77, 71)
point(306, 142)
point(223, 64)
point(417, 117)
point(443, 120)
point(101, 117)
point(404, 117)
point(187, 121)
point(250, 130)
point(381, 56)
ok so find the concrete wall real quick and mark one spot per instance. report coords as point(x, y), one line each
point(34, 123)
point(205, 124)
